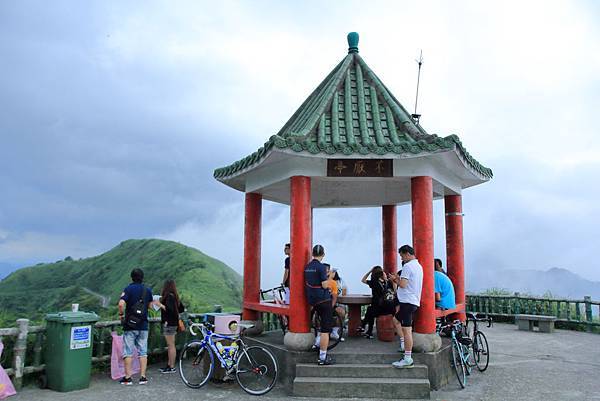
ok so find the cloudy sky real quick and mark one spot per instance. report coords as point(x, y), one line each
point(113, 116)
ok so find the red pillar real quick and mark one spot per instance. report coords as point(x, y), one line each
point(252, 239)
point(390, 242)
point(422, 230)
point(300, 253)
point(455, 255)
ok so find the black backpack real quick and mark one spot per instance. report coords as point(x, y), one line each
point(135, 316)
point(388, 297)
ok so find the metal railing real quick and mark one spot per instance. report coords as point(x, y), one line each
point(569, 313)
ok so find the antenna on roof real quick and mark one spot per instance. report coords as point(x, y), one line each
point(416, 116)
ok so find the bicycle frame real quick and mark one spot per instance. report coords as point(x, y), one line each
point(208, 341)
point(463, 350)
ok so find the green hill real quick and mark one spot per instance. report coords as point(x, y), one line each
point(97, 282)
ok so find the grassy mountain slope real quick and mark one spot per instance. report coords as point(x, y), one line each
point(201, 280)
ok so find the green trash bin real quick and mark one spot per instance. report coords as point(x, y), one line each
point(68, 350)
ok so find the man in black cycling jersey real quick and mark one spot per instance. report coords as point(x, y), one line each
point(319, 296)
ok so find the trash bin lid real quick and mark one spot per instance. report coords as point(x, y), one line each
point(72, 317)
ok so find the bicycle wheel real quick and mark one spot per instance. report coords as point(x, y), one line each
point(196, 364)
point(337, 322)
point(256, 370)
point(481, 351)
point(457, 362)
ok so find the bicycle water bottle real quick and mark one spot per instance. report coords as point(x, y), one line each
point(220, 348)
point(233, 350)
point(227, 356)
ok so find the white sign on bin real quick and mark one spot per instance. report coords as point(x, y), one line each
point(81, 337)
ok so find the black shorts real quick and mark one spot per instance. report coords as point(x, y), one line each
point(325, 312)
point(405, 314)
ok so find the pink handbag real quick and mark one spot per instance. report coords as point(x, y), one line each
point(6, 387)
point(117, 367)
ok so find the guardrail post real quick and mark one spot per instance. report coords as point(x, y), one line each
point(588, 311)
point(19, 352)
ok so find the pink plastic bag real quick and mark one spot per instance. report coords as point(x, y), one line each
point(6, 387)
point(117, 367)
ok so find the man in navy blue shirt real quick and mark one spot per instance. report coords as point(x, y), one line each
point(135, 301)
point(319, 296)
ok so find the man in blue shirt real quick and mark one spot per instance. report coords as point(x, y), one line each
point(135, 301)
point(444, 289)
point(319, 296)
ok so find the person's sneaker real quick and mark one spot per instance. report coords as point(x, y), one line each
point(167, 369)
point(360, 329)
point(404, 363)
point(327, 361)
point(342, 339)
point(143, 380)
point(126, 381)
point(368, 336)
point(314, 348)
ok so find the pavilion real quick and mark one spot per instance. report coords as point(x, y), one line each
point(352, 144)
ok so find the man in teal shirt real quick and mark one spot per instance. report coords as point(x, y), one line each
point(444, 289)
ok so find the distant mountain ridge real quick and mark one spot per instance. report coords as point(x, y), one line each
point(560, 282)
point(97, 282)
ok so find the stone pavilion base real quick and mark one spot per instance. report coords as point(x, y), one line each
point(356, 350)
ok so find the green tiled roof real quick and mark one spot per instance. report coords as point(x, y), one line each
point(352, 113)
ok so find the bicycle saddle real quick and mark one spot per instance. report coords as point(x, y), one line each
point(245, 325)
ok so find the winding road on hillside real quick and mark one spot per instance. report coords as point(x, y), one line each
point(104, 300)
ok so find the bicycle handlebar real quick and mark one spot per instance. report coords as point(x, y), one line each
point(454, 324)
point(279, 288)
point(202, 326)
point(473, 317)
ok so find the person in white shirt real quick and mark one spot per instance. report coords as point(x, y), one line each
point(408, 289)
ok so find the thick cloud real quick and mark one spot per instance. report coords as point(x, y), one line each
point(114, 115)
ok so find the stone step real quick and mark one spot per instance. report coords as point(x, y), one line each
point(365, 359)
point(360, 370)
point(361, 387)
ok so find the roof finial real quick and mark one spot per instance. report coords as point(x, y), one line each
point(352, 42)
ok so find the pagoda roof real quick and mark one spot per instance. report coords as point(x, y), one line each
point(353, 114)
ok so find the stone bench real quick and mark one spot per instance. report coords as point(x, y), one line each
point(545, 323)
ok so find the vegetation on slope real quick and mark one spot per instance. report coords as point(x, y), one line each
point(201, 280)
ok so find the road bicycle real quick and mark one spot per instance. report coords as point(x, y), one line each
point(277, 296)
point(338, 323)
point(255, 368)
point(462, 357)
point(481, 350)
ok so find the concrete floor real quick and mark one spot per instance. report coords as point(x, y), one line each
point(523, 366)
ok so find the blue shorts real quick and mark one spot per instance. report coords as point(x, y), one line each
point(137, 339)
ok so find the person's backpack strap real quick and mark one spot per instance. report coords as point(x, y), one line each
point(143, 296)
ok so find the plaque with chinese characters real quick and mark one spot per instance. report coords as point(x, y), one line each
point(359, 168)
